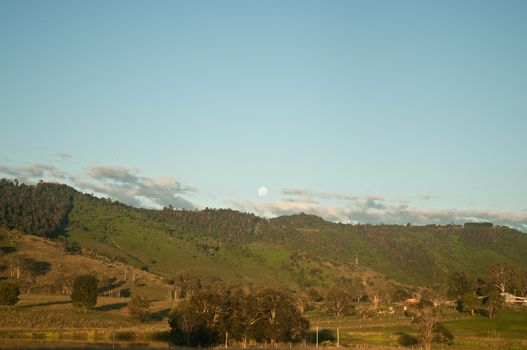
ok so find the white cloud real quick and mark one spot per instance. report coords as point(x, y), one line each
point(279, 208)
point(125, 184)
point(372, 210)
point(33, 172)
point(119, 183)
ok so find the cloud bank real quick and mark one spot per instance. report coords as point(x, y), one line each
point(119, 183)
point(27, 173)
point(125, 185)
point(373, 209)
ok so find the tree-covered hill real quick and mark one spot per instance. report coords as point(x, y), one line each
point(298, 251)
point(41, 210)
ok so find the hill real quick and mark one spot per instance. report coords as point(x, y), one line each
point(297, 252)
point(43, 265)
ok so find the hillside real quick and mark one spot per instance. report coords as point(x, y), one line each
point(44, 266)
point(297, 252)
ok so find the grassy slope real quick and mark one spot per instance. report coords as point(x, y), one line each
point(415, 255)
point(66, 266)
point(286, 250)
point(289, 251)
point(131, 236)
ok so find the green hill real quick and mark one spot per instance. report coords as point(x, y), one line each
point(297, 251)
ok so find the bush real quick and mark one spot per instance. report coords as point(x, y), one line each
point(442, 335)
point(139, 308)
point(84, 294)
point(8, 293)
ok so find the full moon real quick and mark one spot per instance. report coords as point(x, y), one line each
point(262, 191)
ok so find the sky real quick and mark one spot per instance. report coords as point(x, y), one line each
point(356, 111)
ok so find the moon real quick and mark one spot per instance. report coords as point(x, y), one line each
point(262, 191)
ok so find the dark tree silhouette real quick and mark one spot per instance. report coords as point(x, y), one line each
point(84, 293)
point(8, 293)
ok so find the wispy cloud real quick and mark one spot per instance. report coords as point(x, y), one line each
point(279, 208)
point(63, 156)
point(120, 183)
point(374, 209)
point(125, 184)
point(29, 173)
point(402, 214)
point(307, 193)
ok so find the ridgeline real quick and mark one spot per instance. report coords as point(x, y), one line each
point(297, 252)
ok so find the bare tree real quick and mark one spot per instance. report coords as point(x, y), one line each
point(339, 303)
point(425, 316)
point(502, 275)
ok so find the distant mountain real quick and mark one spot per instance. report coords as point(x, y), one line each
point(297, 251)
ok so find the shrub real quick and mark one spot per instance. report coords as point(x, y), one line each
point(442, 335)
point(8, 293)
point(139, 308)
point(84, 294)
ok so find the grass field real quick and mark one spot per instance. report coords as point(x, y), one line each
point(507, 331)
point(53, 318)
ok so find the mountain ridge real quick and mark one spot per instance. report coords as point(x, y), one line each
point(298, 251)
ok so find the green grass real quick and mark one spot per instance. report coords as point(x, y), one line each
point(508, 330)
point(507, 324)
point(165, 248)
point(272, 256)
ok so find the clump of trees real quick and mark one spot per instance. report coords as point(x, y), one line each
point(9, 293)
point(40, 210)
point(212, 318)
point(486, 295)
point(226, 224)
point(84, 293)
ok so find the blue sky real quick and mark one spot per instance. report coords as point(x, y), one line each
point(358, 111)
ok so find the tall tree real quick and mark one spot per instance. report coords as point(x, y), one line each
point(502, 275)
point(184, 325)
point(470, 302)
point(245, 315)
point(493, 302)
point(425, 317)
point(522, 282)
point(281, 321)
point(339, 303)
point(459, 284)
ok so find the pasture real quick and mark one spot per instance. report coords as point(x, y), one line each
point(52, 318)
